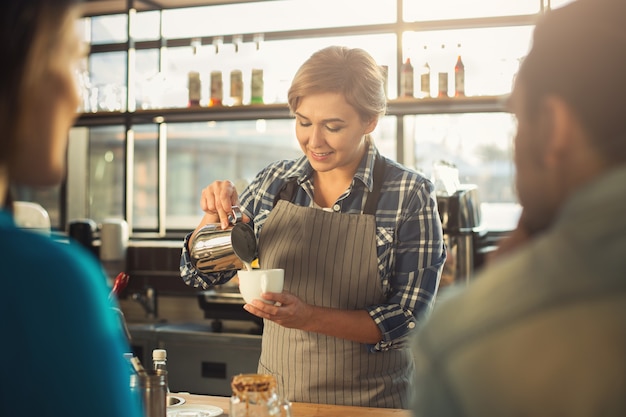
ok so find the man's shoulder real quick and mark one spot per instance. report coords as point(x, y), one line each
point(464, 313)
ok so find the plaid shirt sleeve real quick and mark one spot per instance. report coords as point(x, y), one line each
point(194, 278)
point(411, 256)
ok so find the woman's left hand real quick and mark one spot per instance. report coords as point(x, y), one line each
point(291, 312)
point(287, 310)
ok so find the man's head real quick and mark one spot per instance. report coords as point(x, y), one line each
point(570, 102)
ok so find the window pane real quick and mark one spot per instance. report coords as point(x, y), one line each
point(147, 26)
point(425, 10)
point(200, 153)
point(149, 82)
point(480, 145)
point(146, 177)
point(106, 172)
point(269, 16)
point(385, 137)
point(107, 73)
point(49, 198)
point(491, 56)
point(554, 4)
point(109, 29)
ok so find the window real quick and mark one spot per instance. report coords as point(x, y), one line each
point(153, 172)
point(427, 10)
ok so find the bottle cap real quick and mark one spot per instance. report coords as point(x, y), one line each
point(159, 355)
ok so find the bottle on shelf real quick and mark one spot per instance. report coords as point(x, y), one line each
point(217, 88)
point(236, 75)
point(406, 79)
point(159, 362)
point(425, 77)
point(194, 82)
point(459, 76)
point(256, 79)
point(442, 90)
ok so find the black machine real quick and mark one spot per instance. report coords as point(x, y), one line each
point(464, 235)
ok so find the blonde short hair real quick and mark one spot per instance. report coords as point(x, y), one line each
point(348, 71)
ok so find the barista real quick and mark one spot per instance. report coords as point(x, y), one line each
point(358, 235)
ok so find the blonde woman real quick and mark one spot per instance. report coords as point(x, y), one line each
point(358, 235)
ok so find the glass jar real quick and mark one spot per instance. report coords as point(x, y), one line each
point(255, 395)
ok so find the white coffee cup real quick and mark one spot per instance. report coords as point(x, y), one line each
point(257, 281)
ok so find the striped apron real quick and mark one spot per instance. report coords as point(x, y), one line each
point(330, 260)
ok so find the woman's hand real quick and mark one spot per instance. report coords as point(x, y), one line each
point(217, 201)
point(291, 312)
point(286, 310)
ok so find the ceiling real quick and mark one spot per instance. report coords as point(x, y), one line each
point(99, 7)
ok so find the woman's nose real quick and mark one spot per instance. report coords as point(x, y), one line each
point(317, 136)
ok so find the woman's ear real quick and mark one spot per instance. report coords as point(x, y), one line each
point(371, 125)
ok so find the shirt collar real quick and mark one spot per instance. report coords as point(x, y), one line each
point(303, 171)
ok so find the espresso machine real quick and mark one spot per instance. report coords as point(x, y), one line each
point(464, 235)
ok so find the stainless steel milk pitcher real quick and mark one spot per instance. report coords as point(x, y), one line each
point(215, 250)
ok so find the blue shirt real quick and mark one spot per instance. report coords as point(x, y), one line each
point(409, 237)
point(62, 347)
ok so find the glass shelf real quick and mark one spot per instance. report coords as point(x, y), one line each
point(396, 107)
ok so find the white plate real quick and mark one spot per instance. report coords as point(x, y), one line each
point(194, 410)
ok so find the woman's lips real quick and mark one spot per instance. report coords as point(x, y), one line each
point(320, 156)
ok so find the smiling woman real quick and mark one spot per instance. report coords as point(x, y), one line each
point(358, 236)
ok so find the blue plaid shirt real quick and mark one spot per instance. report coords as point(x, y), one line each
point(409, 237)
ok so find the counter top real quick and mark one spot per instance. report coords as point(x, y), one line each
point(302, 409)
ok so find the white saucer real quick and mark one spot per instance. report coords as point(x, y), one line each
point(194, 410)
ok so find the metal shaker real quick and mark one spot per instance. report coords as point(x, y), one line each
point(216, 250)
point(152, 387)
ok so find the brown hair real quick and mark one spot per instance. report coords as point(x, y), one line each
point(578, 54)
point(338, 69)
point(27, 28)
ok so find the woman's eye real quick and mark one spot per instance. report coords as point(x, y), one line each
point(305, 124)
point(333, 129)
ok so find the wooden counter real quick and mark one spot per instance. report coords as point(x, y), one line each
point(301, 409)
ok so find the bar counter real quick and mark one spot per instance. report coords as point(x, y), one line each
point(298, 409)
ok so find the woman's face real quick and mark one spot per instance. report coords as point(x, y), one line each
point(331, 133)
point(50, 100)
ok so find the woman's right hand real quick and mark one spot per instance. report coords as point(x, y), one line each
point(217, 201)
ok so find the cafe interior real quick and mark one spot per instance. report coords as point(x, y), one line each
point(152, 132)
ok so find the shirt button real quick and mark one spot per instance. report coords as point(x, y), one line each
point(337, 207)
point(411, 325)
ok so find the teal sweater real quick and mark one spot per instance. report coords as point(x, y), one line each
point(62, 345)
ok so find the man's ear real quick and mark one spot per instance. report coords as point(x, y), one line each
point(558, 125)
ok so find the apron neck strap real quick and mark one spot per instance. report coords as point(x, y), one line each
point(379, 176)
point(288, 190)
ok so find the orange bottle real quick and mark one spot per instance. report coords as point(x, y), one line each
point(459, 77)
